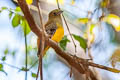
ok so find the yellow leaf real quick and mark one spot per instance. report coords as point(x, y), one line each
point(115, 57)
point(114, 20)
point(105, 3)
point(92, 38)
point(85, 35)
point(83, 20)
point(73, 2)
point(29, 2)
point(61, 1)
point(54, 1)
point(92, 26)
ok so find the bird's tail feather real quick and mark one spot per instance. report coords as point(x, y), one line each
point(39, 47)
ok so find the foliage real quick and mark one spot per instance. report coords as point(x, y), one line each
point(18, 19)
point(104, 3)
point(81, 41)
point(83, 20)
point(114, 20)
point(115, 57)
point(1, 69)
point(64, 42)
point(34, 75)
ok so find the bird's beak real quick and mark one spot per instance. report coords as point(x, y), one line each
point(59, 12)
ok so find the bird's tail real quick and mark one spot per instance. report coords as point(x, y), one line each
point(39, 47)
point(45, 50)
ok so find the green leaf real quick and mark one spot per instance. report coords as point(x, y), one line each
point(10, 14)
point(0, 11)
point(81, 40)
point(25, 26)
point(18, 9)
point(4, 8)
point(1, 66)
point(6, 51)
point(34, 75)
point(24, 69)
point(63, 42)
point(4, 58)
point(13, 53)
point(1, 69)
point(16, 20)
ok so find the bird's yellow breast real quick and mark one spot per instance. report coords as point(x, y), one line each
point(59, 34)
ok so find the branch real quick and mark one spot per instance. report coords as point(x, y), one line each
point(40, 53)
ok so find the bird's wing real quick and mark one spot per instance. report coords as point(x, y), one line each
point(50, 28)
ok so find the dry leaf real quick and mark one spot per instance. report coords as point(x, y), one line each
point(115, 57)
point(114, 20)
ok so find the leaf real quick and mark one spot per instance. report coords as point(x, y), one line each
point(92, 26)
point(6, 51)
point(18, 9)
point(115, 57)
point(81, 40)
point(105, 3)
point(16, 20)
point(114, 20)
point(1, 66)
point(10, 14)
point(54, 1)
point(25, 26)
point(83, 20)
point(63, 42)
point(4, 58)
point(4, 8)
point(13, 53)
point(1, 69)
point(34, 75)
point(73, 2)
point(24, 69)
point(29, 2)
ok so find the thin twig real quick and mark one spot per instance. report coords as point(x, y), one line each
point(12, 66)
point(43, 41)
point(26, 52)
point(33, 65)
point(15, 67)
point(67, 27)
point(37, 73)
point(89, 46)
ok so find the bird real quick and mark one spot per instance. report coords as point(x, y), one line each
point(54, 28)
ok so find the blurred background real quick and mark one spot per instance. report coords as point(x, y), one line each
point(103, 45)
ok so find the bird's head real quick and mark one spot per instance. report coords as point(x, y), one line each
point(55, 13)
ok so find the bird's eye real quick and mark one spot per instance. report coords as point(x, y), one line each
point(54, 13)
